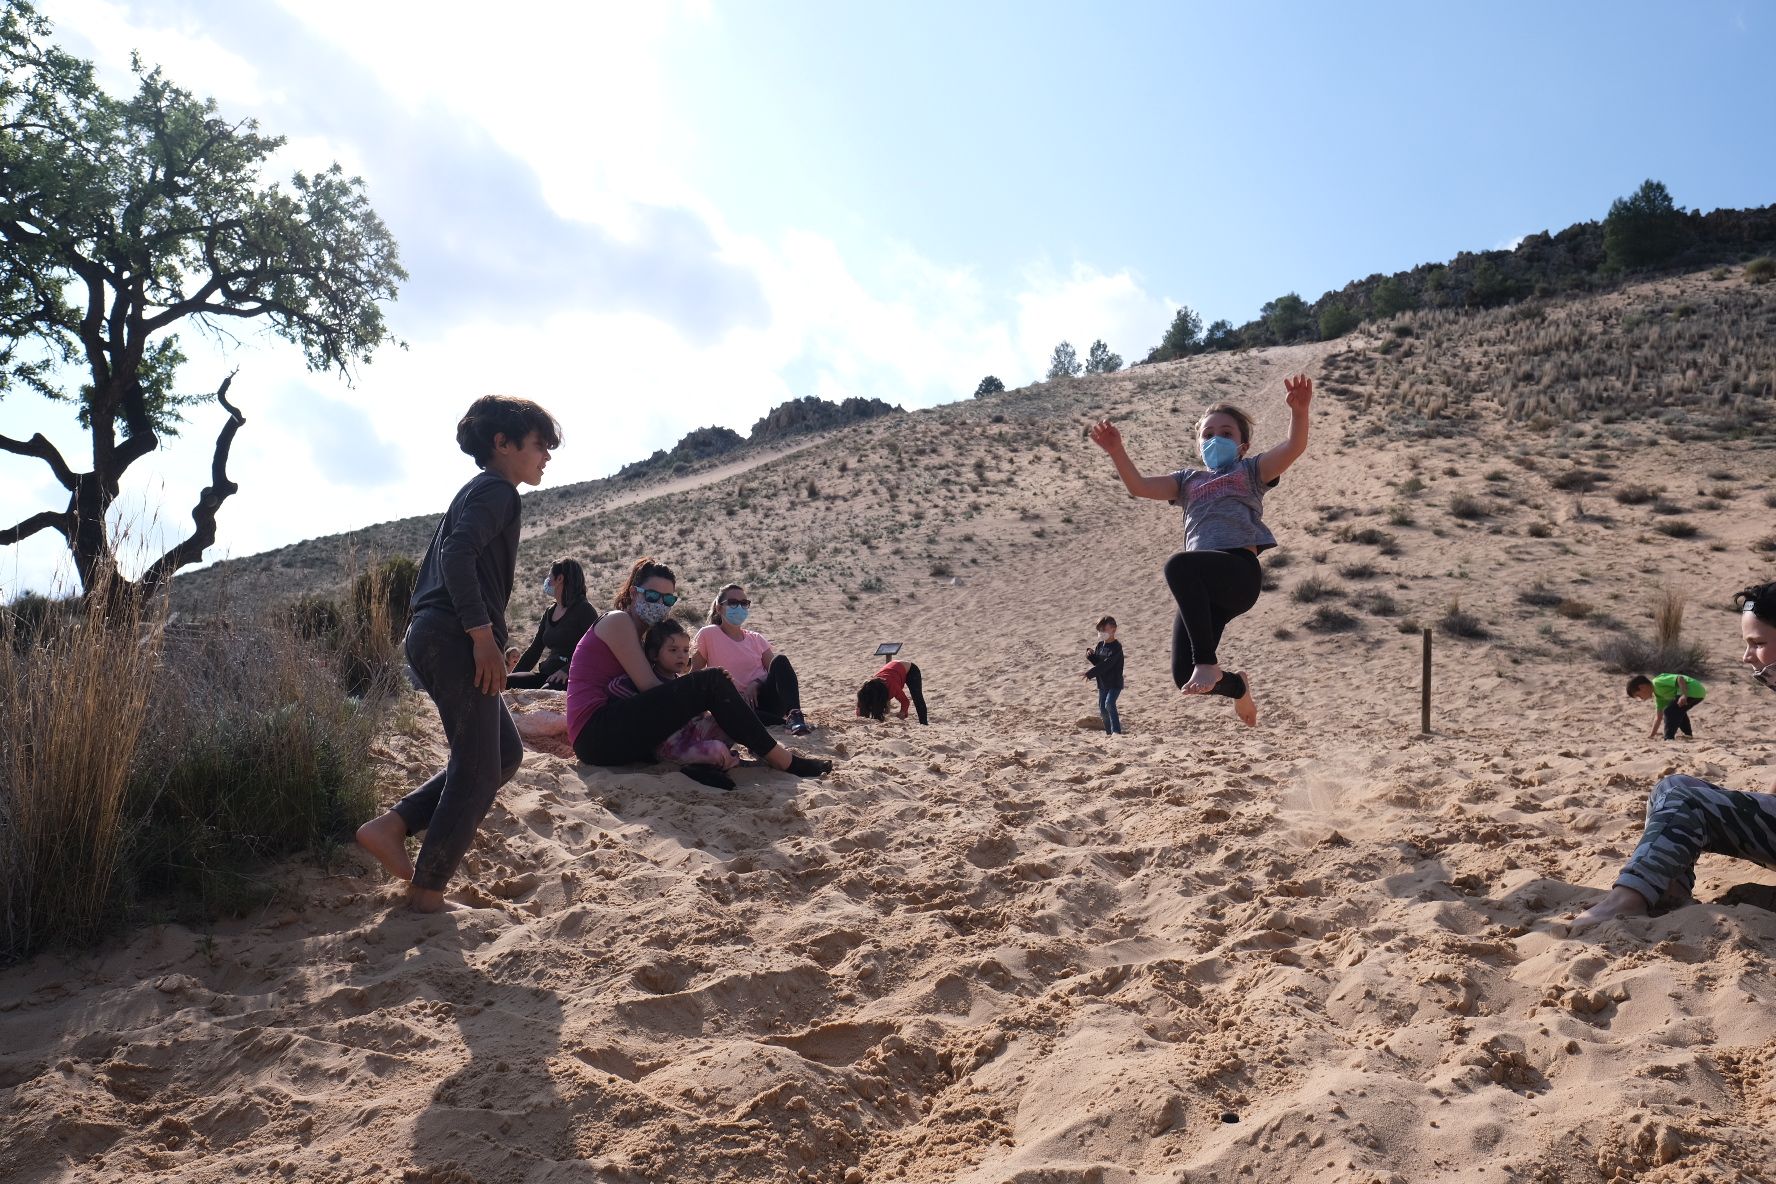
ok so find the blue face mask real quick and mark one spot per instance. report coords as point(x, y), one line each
point(548, 585)
point(735, 614)
point(1220, 451)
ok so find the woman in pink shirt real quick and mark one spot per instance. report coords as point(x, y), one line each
point(765, 677)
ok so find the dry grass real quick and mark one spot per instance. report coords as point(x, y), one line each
point(73, 695)
point(1629, 653)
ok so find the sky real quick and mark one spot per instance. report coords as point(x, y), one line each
point(656, 217)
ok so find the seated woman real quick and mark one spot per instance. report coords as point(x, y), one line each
point(765, 677)
point(894, 681)
point(700, 747)
point(612, 731)
point(1687, 816)
point(560, 630)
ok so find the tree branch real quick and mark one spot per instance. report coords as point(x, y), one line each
point(40, 447)
point(58, 520)
point(203, 515)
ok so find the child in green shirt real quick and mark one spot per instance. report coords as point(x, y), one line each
point(1673, 695)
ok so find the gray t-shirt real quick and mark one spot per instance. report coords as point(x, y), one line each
point(1223, 510)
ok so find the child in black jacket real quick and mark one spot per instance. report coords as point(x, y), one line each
point(1106, 669)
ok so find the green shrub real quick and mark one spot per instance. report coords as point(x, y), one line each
point(1336, 320)
point(1761, 271)
point(253, 753)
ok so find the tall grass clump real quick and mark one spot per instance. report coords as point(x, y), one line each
point(255, 752)
point(76, 683)
point(1666, 651)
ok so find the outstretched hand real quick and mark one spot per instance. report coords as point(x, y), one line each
point(1106, 436)
point(1300, 392)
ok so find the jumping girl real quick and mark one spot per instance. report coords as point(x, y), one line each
point(1216, 577)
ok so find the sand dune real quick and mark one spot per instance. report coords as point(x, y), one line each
point(1006, 949)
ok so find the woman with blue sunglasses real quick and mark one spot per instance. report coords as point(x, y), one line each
point(610, 731)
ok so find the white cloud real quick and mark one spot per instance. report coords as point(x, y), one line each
point(744, 324)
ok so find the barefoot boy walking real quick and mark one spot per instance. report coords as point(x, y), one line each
point(455, 644)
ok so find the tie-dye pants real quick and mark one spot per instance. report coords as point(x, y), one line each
point(1687, 816)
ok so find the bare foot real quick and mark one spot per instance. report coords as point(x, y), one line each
point(1244, 707)
point(1202, 680)
point(425, 900)
point(385, 837)
point(1618, 902)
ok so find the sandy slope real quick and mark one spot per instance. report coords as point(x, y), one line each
point(1006, 949)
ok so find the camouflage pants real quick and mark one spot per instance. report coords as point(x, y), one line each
point(1687, 816)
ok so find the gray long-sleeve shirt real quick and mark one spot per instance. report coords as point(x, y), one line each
point(469, 567)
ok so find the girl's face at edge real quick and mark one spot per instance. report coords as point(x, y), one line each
point(1222, 424)
point(1760, 641)
point(675, 654)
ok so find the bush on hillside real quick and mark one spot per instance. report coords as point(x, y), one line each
point(1285, 319)
point(990, 385)
point(1099, 359)
point(1336, 320)
point(1064, 363)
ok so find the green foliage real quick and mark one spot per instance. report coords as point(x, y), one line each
point(1064, 363)
point(1644, 229)
point(1285, 319)
point(1099, 359)
point(1219, 335)
point(1182, 337)
point(153, 209)
point(1761, 271)
point(1336, 320)
point(1489, 287)
point(1392, 297)
point(989, 385)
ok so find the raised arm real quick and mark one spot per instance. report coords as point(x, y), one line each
point(1274, 462)
point(1161, 489)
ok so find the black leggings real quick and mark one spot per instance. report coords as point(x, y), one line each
point(915, 688)
point(780, 693)
point(1211, 588)
point(531, 680)
point(627, 731)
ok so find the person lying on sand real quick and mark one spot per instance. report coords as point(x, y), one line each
point(454, 645)
point(1216, 577)
point(1687, 816)
point(610, 731)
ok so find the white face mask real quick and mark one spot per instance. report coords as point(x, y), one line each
point(1103, 636)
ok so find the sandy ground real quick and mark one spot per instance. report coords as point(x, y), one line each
point(1007, 949)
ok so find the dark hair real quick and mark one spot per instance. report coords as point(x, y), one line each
point(573, 581)
point(1638, 681)
point(715, 606)
point(644, 570)
point(872, 699)
point(1760, 599)
point(1240, 418)
point(658, 636)
point(1106, 622)
point(503, 415)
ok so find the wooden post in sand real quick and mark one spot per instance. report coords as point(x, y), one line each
point(1424, 691)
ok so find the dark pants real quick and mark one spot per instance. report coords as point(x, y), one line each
point(484, 749)
point(915, 688)
point(780, 693)
point(1211, 588)
point(1677, 718)
point(627, 731)
point(1687, 816)
point(530, 680)
point(1107, 709)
